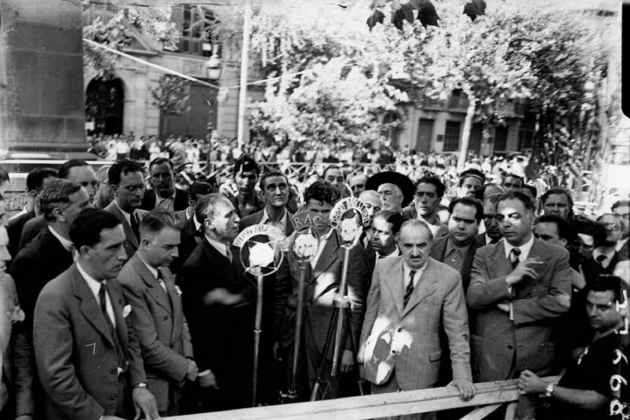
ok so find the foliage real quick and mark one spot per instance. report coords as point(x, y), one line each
point(171, 95)
point(120, 30)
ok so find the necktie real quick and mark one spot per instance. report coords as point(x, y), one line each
point(228, 253)
point(134, 225)
point(161, 281)
point(409, 289)
point(601, 259)
point(514, 254)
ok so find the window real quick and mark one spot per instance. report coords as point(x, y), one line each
point(500, 139)
point(195, 24)
point(451, 136)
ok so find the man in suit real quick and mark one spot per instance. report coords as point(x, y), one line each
point(457, 249)
point(411, 297)
point(127, 180)
point(157, 312)
point(491, 233)
point(163, 195)
point(428, 194)
point(323, 278)
point(75, 170)
point(422, 10)
point(518, 287)
point(275, 188)
point(246, 201)
point(219, 303)
point(190, 226)
point(88, 356)
point(36, 180)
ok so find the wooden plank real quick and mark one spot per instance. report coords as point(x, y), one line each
point(481, 412)
point(372, 406)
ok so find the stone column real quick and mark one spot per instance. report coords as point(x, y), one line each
point(42, 106)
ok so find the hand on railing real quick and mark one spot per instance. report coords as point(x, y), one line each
point(465, 387)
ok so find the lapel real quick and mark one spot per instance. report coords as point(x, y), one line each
point(116, 297)
point(89, 306)
point(129, 235)
point(426, 286)
point(327, 257)
point(153, 287)
point(174, 300)
point(439, 248)
point(499, 265)
point(395, 284)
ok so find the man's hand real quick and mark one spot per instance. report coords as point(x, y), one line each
point(223, 297)
point(530, 383)
point(208, 381)
point(347, 361)
point(144, 403)
point(275, 349)
point(505, 307)
point(465, 387)
point(526, 268)
point(193, 370)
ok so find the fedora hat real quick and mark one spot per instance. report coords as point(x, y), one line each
point(401, 181)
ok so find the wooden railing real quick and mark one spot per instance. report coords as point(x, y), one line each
point(488, 398)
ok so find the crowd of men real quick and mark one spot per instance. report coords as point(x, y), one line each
point(124, 300)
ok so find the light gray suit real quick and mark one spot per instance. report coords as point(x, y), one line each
point(131, 242)
point(161, 329)
point(404, 341)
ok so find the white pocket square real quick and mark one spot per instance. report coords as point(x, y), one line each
point(126, 311)
point(178, 291)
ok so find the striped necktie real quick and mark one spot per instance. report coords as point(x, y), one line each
point(409, 289)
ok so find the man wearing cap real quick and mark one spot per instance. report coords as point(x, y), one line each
point(469, 182)
point(246, 172)
point(395, 189)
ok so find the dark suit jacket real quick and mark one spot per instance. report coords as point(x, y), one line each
point(35, 265)
point(496, 340)
point(31, 230)
point(255, 218)
point(222, 336)
point(161, 328)
point(180, 202)
point(131, 242)
point(189, 240)
point(14, 230)
point(76, 358)
point(322, 285)
point(259, 204)
point(438, 249)
point(592, 268)
point(427, 14)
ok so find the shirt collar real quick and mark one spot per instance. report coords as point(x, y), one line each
point(416, 277)
point(93, 284)
point(609, 255)
point(394, 253)
point(64, 242)
point(126, 215)
point(154, 272)
point(451, 246)
point(219, 246)
point(525, 248)
point(267, 219)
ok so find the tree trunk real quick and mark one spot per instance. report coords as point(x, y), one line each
point(463, 152)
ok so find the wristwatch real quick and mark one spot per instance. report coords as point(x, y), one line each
point(140, 385)
point(549, 390)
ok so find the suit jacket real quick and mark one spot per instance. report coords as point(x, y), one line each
point(496, 340)
point(179, 203)
point(31, 230)
point(406, 339)
point(76, 357)
point(438, 250)
point(222, 336)
point(255, 218)
point(14, 230)
point(321, 287)
point(161, 328)
point(189, 240)
point(427, 14)
point(35, 265)
point(259, 204)
point(131, 242)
